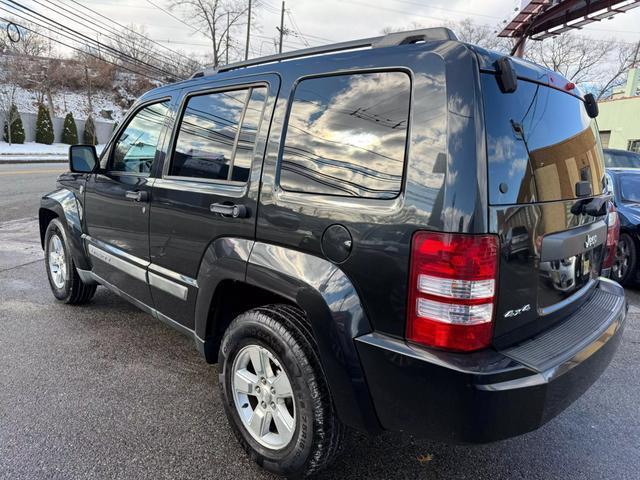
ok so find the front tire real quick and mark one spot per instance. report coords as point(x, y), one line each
point(275, 394)
point(64, 280)
point(624, 266)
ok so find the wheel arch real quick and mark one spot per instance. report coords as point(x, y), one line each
point(336, 316)
point(63, 205)
point(237, 275)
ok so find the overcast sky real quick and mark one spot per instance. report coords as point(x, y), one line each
point(325, 21)
point(322, 20)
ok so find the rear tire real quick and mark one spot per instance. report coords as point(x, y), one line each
point(624, 266)
point(283, 337)
point(64, 280)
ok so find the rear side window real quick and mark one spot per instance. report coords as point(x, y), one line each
point(346, 135)
point(540, 143)
point(217, 135)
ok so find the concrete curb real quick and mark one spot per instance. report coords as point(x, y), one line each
point(21, 162)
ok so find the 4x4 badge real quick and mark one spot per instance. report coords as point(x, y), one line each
point(518, 311)
point(590, 241)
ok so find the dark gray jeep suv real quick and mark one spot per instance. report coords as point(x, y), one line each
point(400, 233)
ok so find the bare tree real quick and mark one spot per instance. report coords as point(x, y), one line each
point(134, 42)
point(479, 34)
point(625, 57)
point(30, 42)
point(577, 58)
point(467, 31)
point(9, 85)
point(182, 64)
point(217, 18)
point(598, 65)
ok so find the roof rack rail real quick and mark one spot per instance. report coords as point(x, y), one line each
point(389, 40)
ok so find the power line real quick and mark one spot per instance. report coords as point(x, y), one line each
point(413, 14)
point(112, 30)
point(295, 27)
point(84, 52)
point(117, 23)
point(74, 35)
point(452, 10)
point(119, 53)
point(175, 17)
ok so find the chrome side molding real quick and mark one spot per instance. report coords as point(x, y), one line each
point(162, 278)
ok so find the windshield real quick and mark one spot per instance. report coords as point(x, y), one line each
point(630, 188)
point(621, 159)
point(540, 144)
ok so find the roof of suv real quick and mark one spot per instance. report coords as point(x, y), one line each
point(428, 38)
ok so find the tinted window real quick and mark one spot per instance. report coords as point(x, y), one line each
point(540, 143)
point(620, 159)
point(135, 149)
point(346, 135)
point(205, 147)
point(630, 187)
point(247, 138)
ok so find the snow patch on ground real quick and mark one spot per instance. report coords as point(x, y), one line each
point(32, 151)
point(103, 103)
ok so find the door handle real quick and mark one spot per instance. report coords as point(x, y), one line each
point(234, 211)
point(137, 195)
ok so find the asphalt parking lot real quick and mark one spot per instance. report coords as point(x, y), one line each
point(106, 391)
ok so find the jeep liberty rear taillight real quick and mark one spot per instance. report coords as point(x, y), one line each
point(452, 290)
point(613, 233)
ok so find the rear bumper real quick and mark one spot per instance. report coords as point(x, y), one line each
point(488, 395)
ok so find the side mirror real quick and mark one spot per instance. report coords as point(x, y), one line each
point(83, 158)
point(591, 105)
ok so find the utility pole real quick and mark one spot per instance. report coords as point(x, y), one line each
point(227, 41)
point(246, 48)
point(281, 27)
point(86, 73)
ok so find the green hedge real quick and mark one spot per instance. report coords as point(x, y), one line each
point(89, 135)
point(44, 126)
point(69, 130)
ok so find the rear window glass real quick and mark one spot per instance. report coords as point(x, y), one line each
point(617, 159)
point(346, 135)
point(540, 143)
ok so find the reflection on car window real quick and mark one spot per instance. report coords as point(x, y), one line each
point(630, 188)
point(247, 138)
point(135, 149)
point(540, 143)
point(346, 135)
point(617, 159)
point(208, 132)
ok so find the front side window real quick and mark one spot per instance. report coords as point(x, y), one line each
point(135, 149)
point(347, 134)
point(217, 135)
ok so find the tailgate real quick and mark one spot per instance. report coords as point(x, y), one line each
point(545, 171)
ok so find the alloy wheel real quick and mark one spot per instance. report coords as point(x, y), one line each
point(57, 261)
point(263, 397)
